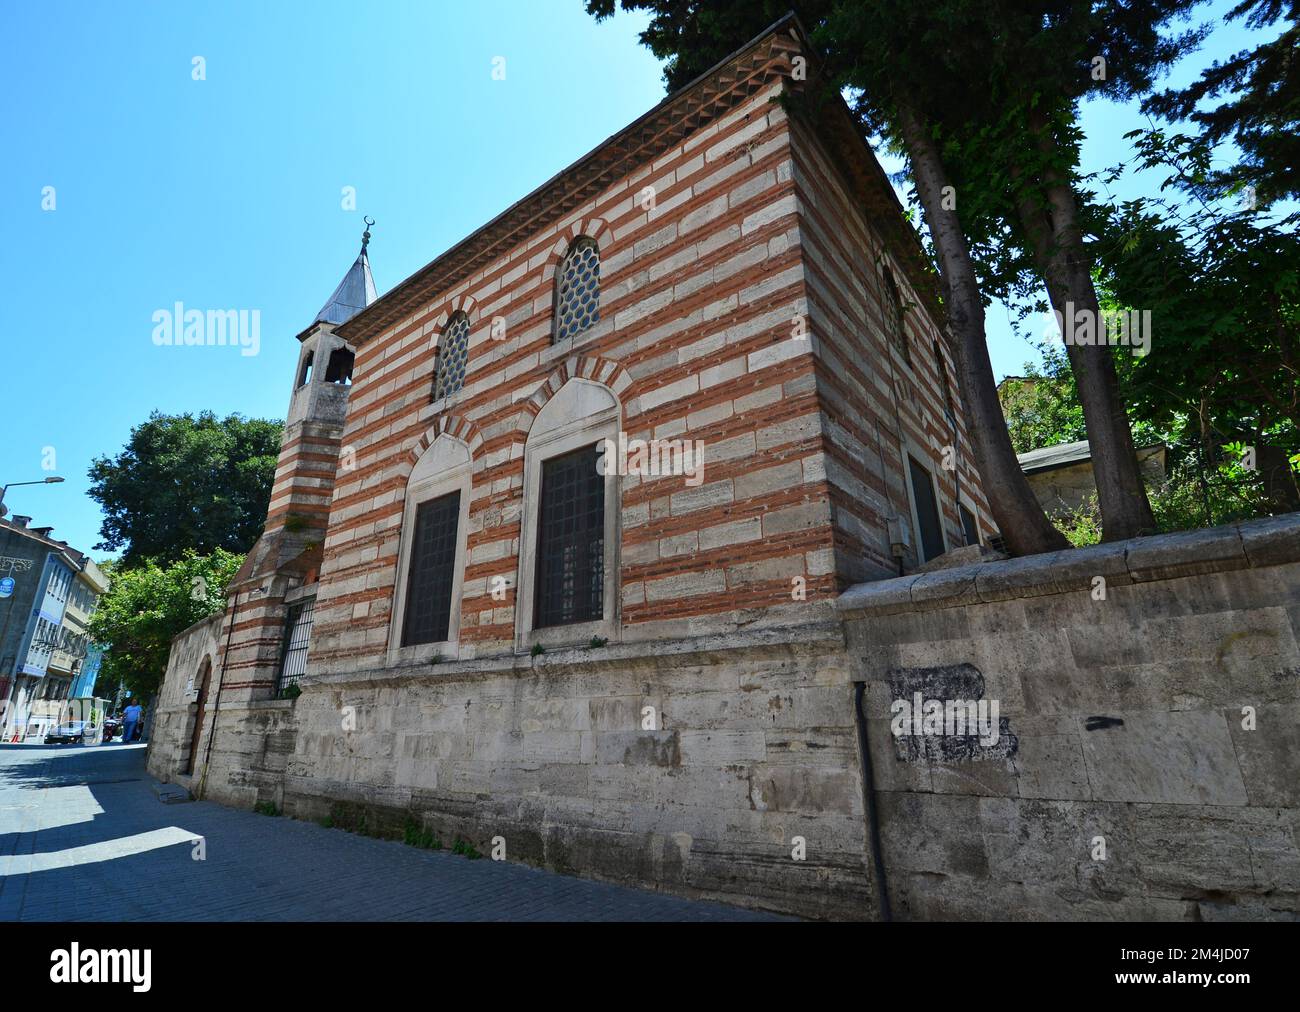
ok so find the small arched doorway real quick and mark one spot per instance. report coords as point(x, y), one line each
point(205, 674)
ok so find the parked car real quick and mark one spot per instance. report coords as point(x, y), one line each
point(112, 728)
point(74, 732)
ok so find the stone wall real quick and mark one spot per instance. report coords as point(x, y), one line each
point(175, 709)
point(1121, 725)
point(753, 745)
point(1126, 706)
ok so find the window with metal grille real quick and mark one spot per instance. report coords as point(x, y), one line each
point(571, 540)
point(297, 638)
point(942, 367)
point(453, 356)
point(895, 327)
point(429, 581)
point(927, 510)
point(577, 289)
point(968, 525)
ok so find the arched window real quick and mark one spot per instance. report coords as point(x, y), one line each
point(895, 328)
point(942, 369)
point(304, 377)
point(425, 619)
point(568, 561)
point(453, 354)
point(577, 289)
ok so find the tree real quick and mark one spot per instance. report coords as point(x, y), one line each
point(862, 46)
point(1260, 113)
point(146, 606)
point(1014, 75)
point(187, 483)
point(1042, 407)
point(1223, 286)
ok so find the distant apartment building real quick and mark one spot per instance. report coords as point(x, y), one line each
point(46, 657)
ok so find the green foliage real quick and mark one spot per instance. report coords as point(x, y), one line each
point(187, 483)
point(416, 835)
point(1042, 407)
point(538, 650)
point(1189, 497)
point(597, 642)
point(266, 808)
point(292, 691)
point(1258, 108)
point(1223, 287)
point(465, 849)
point(1081, 526)
point(692, 38)
point(146, 606)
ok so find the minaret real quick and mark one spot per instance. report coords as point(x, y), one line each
point(304, 478)
point(282, 567)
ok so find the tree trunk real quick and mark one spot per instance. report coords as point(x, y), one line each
point(1057, 242)
point(1020, 519)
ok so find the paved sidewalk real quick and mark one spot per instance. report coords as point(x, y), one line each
point(84, 837)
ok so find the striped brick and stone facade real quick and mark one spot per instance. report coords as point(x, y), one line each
point(720, 717)
point(742, 304)
point(760, 295)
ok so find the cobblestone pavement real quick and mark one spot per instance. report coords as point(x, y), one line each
point(83, 836)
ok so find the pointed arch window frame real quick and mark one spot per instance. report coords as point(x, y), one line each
point(583, 413)
point(445, 467)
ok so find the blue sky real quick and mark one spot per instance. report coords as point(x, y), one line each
point(227, 192)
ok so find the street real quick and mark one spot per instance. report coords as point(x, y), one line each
point(84, 837)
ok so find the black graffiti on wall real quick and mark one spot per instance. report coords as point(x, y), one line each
point(959, 685)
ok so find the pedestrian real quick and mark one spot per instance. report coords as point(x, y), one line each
point(130, 717)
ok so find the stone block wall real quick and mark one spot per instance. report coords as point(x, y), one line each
point(1155, 715)
point(1145, 767)
point(749, 744)
point(172, 722)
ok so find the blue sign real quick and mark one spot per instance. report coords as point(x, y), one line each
point(7, 587)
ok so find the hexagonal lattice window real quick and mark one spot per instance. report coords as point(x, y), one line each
point(453, 356)
point(577, 290)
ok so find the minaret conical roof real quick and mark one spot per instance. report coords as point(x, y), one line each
point(355, 291)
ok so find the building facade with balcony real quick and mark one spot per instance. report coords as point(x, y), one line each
point(46, 656)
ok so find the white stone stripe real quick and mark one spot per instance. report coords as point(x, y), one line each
point(108, 850)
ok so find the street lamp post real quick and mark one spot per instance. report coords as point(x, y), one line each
point(15, 484)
